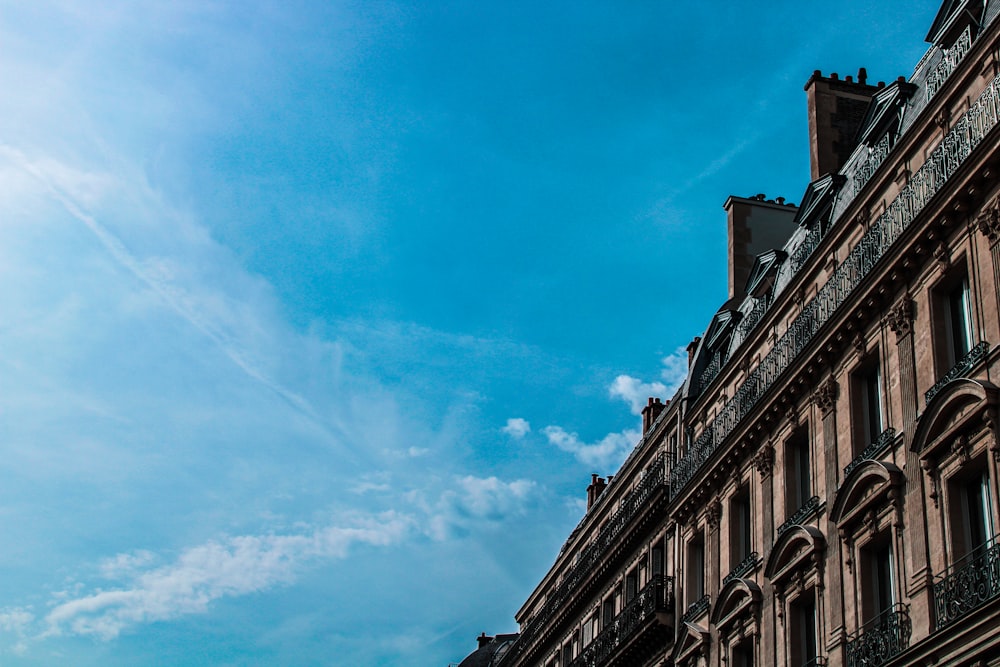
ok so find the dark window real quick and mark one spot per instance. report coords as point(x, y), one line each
point(797, 471)
point(802, 630)
point(868, 404)
point(742, 655)
point(877, 578)
point(631, 586)
point(696, 570)
point(972, 513)
point(608, 611)
point(740, 527)
point(959, 322)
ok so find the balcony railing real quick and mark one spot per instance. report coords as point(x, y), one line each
point(952, 57)
point(697, 608)
point(808, 508)
point(746, 565)
point(753, 316)
point(961, 369)
point(927, 181)
point(872, 450)
point(631, 505)
point(656, 596)
point(967, 585)
point(876, 156)
point(881, 639)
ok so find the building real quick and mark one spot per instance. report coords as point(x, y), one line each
point(823, 490)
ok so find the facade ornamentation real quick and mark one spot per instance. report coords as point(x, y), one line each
point(826, 395)
point(988, 221)
point(713, 514)
point(900, 317)
point(764, 461)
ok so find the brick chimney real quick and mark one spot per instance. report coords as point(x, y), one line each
point(596, 488)
point(836, 109)
point(755, 225)
point(649, 413)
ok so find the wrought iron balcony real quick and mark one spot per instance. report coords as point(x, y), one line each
point(746, 565)
point(631, 506)
point(952, 57)
point(656, 596)
point(961, 369)
point(881, 639)
point(696, 609)
point(876, 156)
point(967, 585)
point(942, 163)
point(872, 450)
point(753, 316)
point(808, 508)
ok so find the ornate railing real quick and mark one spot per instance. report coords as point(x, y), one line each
point(746, 565)
point(805, 248)
point(808, 508)
point(710, 373)
point(928, 180)
point(753, 317)
point(881, 639)
point(872, 450)
point(961, 369)
point(631, 505)
point(864, 171)
point(967, 585)
point(952, 57)
point(655, 596)
point(696, 608)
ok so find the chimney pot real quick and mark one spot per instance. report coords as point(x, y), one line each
point(881, 84)
point(849, 79)
point(834, 76)
point(862, 76)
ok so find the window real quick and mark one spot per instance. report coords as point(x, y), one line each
point(656, 558)
point(867, 404)
point(608, 611)
point(696, 569)
point(631, 586)
point(877, 594)
point(802, 630)
point(742, 655)
point(972, 513)
point(797, 471)
point(952, 322)
point(590, 629)
point(957, 316)
point(740, 527)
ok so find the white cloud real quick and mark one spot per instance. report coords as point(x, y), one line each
point(517, 428)
point(608, 453)
point(217, 569)
point(675, 369)
point(635, 392)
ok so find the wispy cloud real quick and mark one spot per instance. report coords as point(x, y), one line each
point(635, 392)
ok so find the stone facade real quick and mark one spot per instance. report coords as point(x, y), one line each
point(824, 487)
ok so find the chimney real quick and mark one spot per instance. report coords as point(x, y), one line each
point(483, 640)
point(836, 109)
point(755, 225)
point(595, 490)
point(649, 413)
point(691, 349)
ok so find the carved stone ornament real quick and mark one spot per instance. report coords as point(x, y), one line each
point(990, 421)
point(826, 395)
point(713, 514)
point(942, 253)
point(764, 461)
point(932, 476)
point(900, 317)
point(988, 221)
point(942, 118)
point(960, 447)
point(859, 344)
point(863, 217)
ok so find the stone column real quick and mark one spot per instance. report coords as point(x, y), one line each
point(825, 399)
point(764, 463)
point(900, 320)
point(713, 519)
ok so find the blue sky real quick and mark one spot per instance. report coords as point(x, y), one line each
point(315, 318)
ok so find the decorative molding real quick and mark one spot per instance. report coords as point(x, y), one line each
point(900, 317)
point(942, 253)
point(826, 394)
point(764, 461)
point(713, 514)
point(988, 221)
